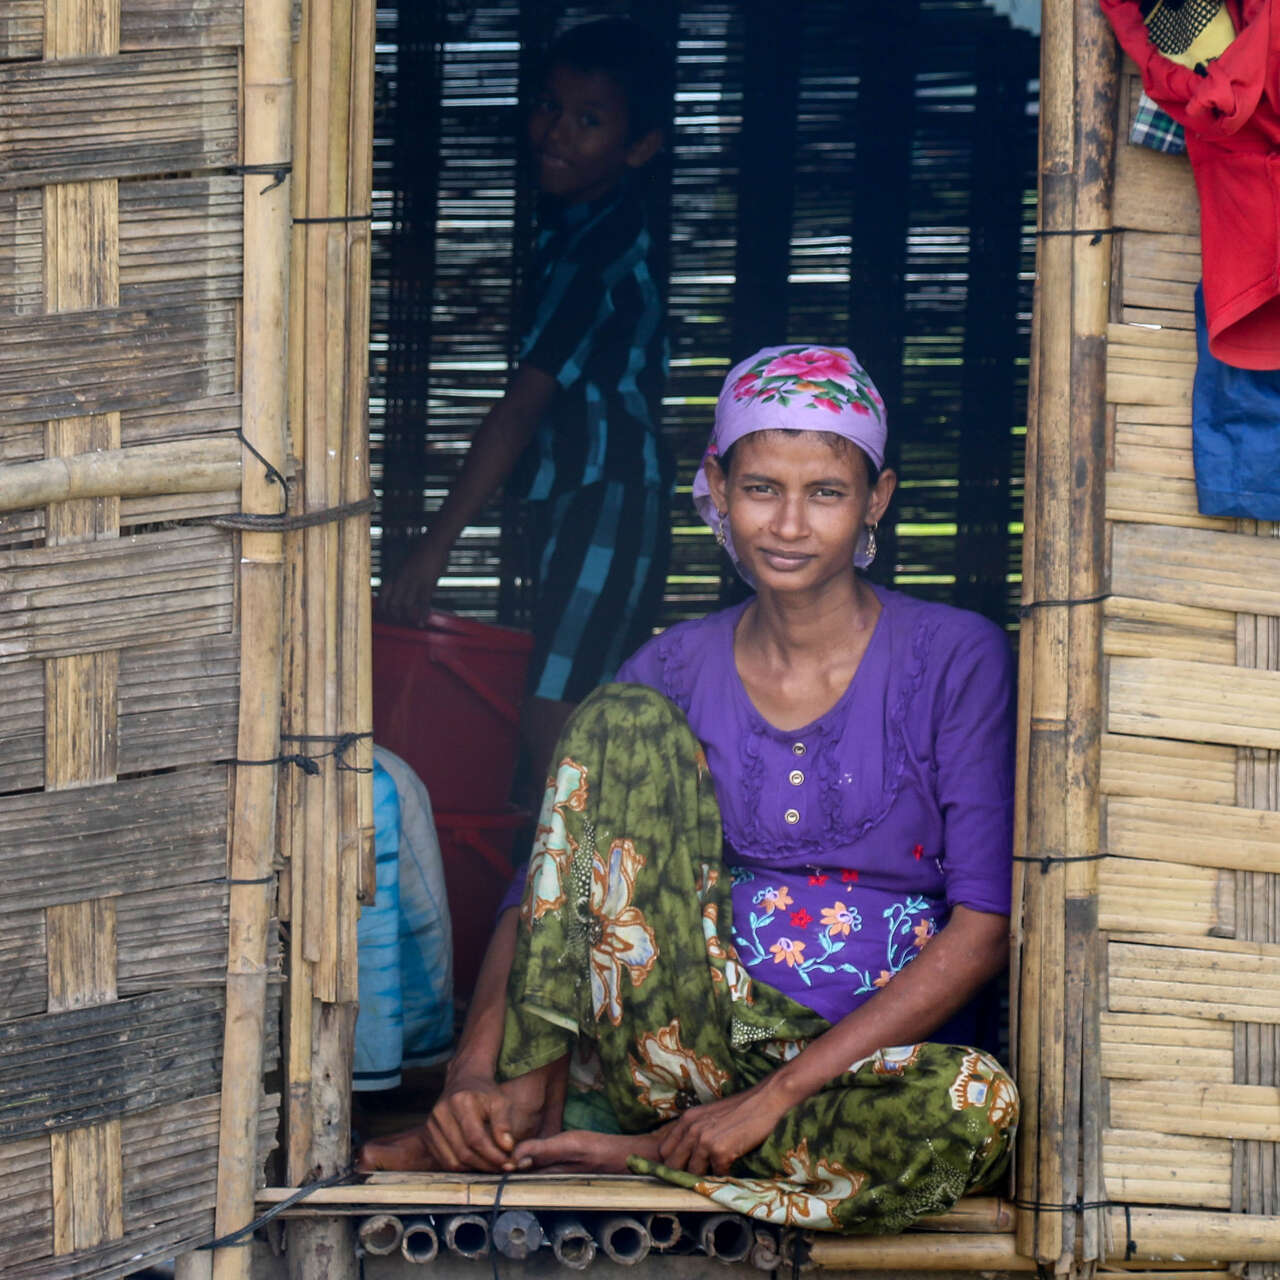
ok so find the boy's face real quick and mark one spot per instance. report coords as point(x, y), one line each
point(578, 132)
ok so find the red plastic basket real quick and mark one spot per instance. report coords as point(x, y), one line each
point(447, 699)
point(476, 849)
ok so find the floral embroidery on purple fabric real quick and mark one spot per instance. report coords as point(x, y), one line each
point(837, 923)
point(907, 938)
point(822, 739)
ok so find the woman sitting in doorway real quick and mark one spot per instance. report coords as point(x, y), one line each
point(772, 870)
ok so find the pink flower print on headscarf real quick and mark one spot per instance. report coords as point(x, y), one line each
point(813, 364)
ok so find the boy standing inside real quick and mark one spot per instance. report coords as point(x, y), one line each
point(577, 433)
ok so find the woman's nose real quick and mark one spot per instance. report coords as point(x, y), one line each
point(789, 518)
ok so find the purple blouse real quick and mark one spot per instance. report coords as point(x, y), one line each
point(850, 840)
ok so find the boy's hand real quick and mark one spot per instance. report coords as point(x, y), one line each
point(407, 598)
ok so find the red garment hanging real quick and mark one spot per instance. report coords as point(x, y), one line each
point(1232, 118)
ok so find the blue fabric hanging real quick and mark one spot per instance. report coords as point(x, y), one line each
point(1235, 430)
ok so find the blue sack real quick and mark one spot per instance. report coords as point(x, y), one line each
point(1235, 433)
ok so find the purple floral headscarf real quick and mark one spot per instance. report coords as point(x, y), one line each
point(794, 388)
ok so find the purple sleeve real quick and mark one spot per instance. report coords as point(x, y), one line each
point(643, 667)
point(973, 751)
point(515, 891)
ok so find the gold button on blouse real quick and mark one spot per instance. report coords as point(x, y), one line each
point(792, 816)
point(797, 748)
point(795, 777)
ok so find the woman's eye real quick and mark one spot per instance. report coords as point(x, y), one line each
point(828, 493)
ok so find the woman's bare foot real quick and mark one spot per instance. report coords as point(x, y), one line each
point(582, 1151)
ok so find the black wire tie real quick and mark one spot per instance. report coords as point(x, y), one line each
point(1130, 1244)
point(241, 1237)
point(279, 170)
point(273, 476)
point(1047, 860)
point(263, 522)
point(1025, 611)
point(340, 217)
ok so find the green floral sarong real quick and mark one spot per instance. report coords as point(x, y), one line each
point(625, 960)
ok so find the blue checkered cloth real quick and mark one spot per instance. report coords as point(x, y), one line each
point(1157, 129)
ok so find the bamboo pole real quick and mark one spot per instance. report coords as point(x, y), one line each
point(195, 466)
point(918, 1253)
point(1061, 644)
point(1190, 1236)
point(267, 125)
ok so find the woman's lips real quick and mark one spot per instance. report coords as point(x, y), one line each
point(784, 559)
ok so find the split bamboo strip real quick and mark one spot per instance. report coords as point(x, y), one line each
point(268, 104)
point(204, 466)
point(57, 848)
point(1135, 895)
point(1205, 835)
point(1173, 1169)
point(918, 1253)
point(1145, 1046)
point(114, 360)
point(116, 117)
point(1060, 646)
point(168, 24)
point(329, 570)
point(141, 590)
point(26, 1202)
point(1196, 701)
point(1156, 451)
point(1144, 629)
point(1196, 771)
point(1147, 499)
point(1158, 1234)
point(1154, 192)
point(1232, 571)
point(22, 29)
point(1205, 1110)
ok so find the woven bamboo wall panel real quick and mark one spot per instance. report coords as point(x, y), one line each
point(118, 117)
point(1135, 895)
point(1233, 981)
point(140, 833)
point(168, 1158)
point(1146, 629)
point(1202, 771)
point(1143, 1046)
point(1238, 572)
point(114, 360)
point(144, 24)
point(1188, 896)
point(138, 590)
point(1167, 1169)
point(177, 706)
point(1196, 701)
point(66, 1070)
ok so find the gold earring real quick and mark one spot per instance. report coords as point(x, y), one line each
point(871, 542)
point(720, 535)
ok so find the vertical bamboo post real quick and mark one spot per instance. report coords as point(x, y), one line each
point(1061, 673)
point(329, 689)
point(81, 250)
point(267, 136)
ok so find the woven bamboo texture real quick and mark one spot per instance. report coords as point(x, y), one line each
point(1168, 1096)
point(140, 637)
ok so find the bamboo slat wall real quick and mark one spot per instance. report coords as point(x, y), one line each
point(145, 244)
point(1149, 1017)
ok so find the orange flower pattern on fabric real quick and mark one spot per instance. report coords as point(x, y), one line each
point(776, 899)
point(671, 1078)
point(923, 932)
point(553, 846)
point(807, 1194)
point(621, 941)
point(788, 951)
point(838, 919)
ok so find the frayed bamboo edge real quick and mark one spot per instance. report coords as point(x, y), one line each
point(267, 125)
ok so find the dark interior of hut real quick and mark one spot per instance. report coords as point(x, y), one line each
point(839, 172)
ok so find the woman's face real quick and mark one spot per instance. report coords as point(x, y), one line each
point(796, 506)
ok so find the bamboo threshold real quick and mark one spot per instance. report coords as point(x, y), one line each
point(981, 1215)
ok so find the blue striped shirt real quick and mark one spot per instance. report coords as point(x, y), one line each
point(597, 325)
